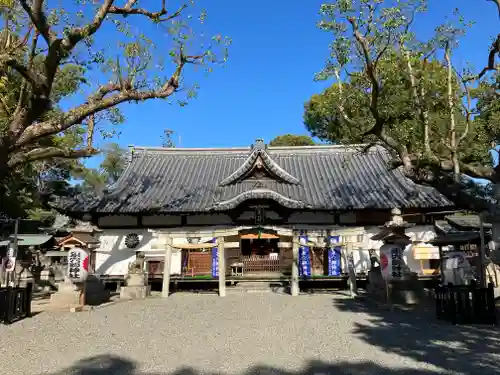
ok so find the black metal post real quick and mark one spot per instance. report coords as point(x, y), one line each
point(9, 314)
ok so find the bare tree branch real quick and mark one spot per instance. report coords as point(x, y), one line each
point(378, 129)
point(22, 94)
point(49, 153)
point(34, 79)
point(451, 114)
point(37, 17)
point(97, 103)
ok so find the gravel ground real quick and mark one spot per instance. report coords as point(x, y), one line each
point(192, 334)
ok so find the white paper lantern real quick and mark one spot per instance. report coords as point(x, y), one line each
point(78, 265)
point(391, 262)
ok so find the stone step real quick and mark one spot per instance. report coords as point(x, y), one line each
point(256, 287)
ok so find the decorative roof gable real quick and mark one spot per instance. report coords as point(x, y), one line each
point(259, 165)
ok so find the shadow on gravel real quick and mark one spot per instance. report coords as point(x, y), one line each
point(110, 365)
point(420, 336)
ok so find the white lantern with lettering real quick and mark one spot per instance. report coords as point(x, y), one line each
point(78, 265)
point(10, 264)
point(391, 262)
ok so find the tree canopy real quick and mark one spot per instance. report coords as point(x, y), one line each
point(406, 94)
point(292, 140)
point(98, 55)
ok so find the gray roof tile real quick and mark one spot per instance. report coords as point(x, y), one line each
point(315, 177)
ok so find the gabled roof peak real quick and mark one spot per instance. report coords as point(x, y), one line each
point(260, 159)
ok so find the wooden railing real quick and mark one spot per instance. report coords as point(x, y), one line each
point(260, 263)
point(466, 304)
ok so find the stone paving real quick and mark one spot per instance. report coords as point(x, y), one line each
point(189, 334)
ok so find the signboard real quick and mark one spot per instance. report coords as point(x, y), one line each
point(391, 262)
point(425, 252)
point(78, 265)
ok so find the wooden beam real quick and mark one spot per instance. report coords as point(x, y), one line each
point(194, 246)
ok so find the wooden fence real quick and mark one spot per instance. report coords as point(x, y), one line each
point(260, 264)
point(466, 304)
point(15, 303)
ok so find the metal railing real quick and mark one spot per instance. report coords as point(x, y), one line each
point(466, 304)
point(15, 303)
point(260, 264)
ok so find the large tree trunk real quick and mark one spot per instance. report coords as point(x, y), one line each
point(494, 219)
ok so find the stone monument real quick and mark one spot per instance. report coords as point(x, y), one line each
point(136, 280)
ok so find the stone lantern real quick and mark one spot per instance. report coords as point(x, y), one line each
point(393, 279)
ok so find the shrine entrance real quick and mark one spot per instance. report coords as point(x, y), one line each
point(260, 253)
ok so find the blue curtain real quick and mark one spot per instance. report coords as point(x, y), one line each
point(304, 258)
point(215, 260)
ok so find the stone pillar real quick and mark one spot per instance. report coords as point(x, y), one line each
point(353, 289)
point(165, 291)
point(222, 266)
point(294, 286)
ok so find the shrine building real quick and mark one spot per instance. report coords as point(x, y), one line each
point(244, 213)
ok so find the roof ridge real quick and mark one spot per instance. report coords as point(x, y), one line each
point(347, 148)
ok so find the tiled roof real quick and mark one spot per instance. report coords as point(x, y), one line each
point(163, 180)
point(467, 222)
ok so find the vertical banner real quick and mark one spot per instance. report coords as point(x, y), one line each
point(215, 260)
point(304, 258)
point(334, 257)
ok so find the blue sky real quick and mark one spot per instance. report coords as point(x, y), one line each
point(275, 52)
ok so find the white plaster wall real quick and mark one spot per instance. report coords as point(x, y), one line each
point(113, 257)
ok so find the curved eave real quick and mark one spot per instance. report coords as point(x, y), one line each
point(269, 163)
point(258, 194)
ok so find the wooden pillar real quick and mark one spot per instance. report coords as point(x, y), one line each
point(165, 290)
point(222, 266)
point(294, 285)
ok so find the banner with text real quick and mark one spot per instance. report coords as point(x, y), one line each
point(215, 260)
point(304, 258)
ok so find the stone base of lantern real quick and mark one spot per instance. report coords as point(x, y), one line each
point(409, 291)
point(136, 287)
point(67, 295)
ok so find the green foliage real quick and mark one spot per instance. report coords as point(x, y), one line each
point(108, 172)
point(324, 120)
point(393, 89)
point(292, 140)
